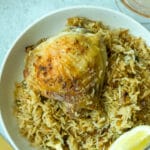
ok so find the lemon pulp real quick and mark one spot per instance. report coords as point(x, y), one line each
point(137, 138)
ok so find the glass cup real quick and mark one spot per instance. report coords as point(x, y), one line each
point(137, 9)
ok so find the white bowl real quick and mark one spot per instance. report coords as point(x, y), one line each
point(48, 26)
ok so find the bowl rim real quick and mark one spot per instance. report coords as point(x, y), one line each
point(6, 56)
point(58, 11)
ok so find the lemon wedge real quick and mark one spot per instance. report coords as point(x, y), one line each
point(4, 145)
point(137, 138)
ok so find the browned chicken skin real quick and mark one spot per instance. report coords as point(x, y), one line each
point(70, 68)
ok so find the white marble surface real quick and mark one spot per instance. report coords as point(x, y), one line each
point(16, 15)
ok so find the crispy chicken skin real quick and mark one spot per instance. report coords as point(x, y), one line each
point(70, 68)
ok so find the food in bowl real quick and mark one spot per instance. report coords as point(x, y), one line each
point(83, 88)
point(69, 67)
